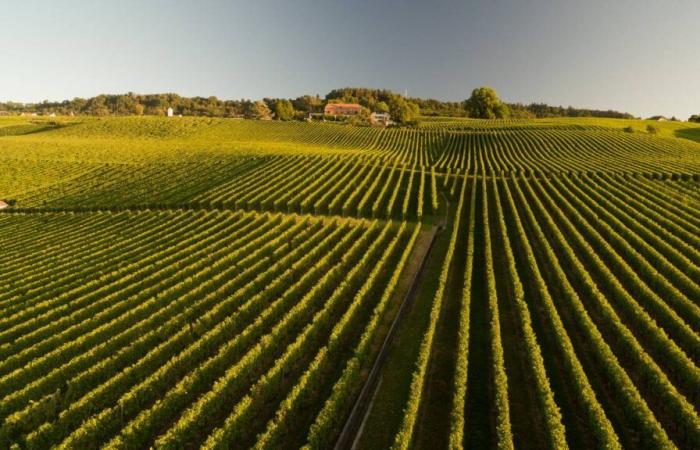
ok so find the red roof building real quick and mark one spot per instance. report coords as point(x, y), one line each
point(342, 109)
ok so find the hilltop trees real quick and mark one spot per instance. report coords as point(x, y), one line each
point(258, 110)
point(307, 103)
point(485, 104)
point(284, 110)
point(694, 118)
point(403, 110)
point(532, 110)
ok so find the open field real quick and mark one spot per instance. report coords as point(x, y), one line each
point(188, 282)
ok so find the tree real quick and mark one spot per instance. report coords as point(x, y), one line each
point(259, 110)
point(307, 103)
point(360, 119)
point(382, 107)
point(651, 129)
point(485, 104)
point(694, 118)
point(403, 112)
point(284, 110)
point(138, 109)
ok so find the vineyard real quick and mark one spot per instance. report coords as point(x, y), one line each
point(216, 283)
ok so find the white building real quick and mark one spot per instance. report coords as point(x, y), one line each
point(380, 119)
point(170, 112)
point(3, 205)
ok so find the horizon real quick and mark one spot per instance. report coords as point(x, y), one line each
point(234, 50)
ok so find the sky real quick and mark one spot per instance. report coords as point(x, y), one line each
point(641, 56)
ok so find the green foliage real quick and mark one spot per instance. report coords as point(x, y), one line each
point(402, 111)
point(259, 111)
point(373, 99)
point(284, 110)
point(360, 119)
point(651, 129)
point(404, 436)
point(542, 110)
point(694, 118)
point(164, 285)
point(485, 104)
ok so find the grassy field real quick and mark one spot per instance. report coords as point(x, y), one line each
point(216, 283)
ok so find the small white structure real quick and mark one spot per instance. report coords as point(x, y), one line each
point(3, 205)
point(170, 112)
point(380, 119)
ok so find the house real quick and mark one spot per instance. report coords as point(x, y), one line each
point(170, 112)
point(342, 109)
point(3, 205)
point(380, 119)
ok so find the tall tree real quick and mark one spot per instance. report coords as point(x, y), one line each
point(402, 111)
point(382, 107)
point(284, 110)
point(260, 111)
point(485, 104)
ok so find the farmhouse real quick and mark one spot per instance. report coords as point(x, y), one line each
point(170, 112)
point(342, 109)
point(380, 119)
point(3, 205)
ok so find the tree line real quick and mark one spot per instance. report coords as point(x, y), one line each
point(483, 103)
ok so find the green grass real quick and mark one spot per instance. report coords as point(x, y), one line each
point(384, 418)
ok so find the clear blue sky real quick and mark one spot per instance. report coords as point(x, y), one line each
point(638, 56)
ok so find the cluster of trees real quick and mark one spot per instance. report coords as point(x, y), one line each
point(403, 110)
point(157, 105)
point(539, 110)
point(136, 104)
point(483, 103)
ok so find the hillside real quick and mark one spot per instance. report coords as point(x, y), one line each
point(222, 283)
